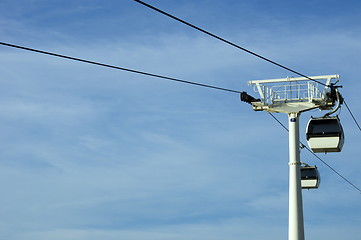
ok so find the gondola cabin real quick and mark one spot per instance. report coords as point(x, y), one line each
point(310, 178)
point(325, 134)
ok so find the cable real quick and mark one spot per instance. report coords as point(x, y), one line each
point(226, 41)
point(349, 110)
point(237, 46)
point(278, 121)
point(118, 68)
point(144, 73)
point(353, 185)
point(304, 146)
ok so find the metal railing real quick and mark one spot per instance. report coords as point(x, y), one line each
point(290, 92)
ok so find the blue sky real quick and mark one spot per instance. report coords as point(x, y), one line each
point(94, 153)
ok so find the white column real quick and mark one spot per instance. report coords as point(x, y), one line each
point(295, 217)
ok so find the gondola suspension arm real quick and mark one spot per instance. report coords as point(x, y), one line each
point(339, 100)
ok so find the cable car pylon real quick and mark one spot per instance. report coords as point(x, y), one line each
point(294, 96)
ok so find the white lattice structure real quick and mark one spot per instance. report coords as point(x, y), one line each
point(293, 94)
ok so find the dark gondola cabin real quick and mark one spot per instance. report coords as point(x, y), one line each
point(310, 178)
point(325, 135)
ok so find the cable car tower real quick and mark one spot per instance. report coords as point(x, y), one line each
point(294, 96)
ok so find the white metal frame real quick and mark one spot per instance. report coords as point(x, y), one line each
point(292, 94)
